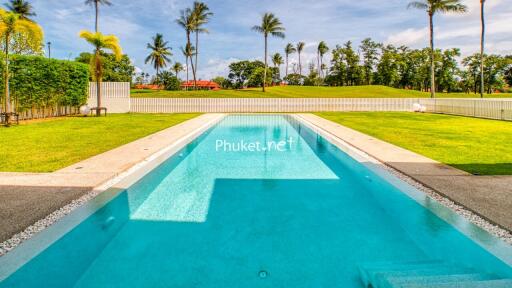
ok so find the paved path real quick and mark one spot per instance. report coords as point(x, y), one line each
point(28, 197)
point(487, 196)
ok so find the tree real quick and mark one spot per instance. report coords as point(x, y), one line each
point(160, 53)
point(239, 72)
point(432, 7)
point(482, 43)
point(277, 60)
point(321, 50)
point(101, 42)
point(168, 81)
point(12, 24)
point(113, 70)
point(370, 57)
point(288, 50)
point(21, 7)
point(188, 52)
point(187, 22)
point(300, 48)
point(201, 15)
point(97, 4)
point(177, 68)
point(270, 25)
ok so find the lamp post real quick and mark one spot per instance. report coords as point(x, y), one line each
point(49, 49)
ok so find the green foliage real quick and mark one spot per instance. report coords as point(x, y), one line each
point(256, 78)
point(169, 81)
point(239, 72)
point(39, 82)
point(294, 79)
point(113, 71)
point(223, 82)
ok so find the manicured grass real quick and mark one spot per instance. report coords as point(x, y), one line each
point(53, 144)
point(304, 92)
point(477, 146)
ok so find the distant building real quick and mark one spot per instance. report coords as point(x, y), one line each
point(200, 84)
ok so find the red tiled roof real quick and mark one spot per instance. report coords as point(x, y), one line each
point(201, 83)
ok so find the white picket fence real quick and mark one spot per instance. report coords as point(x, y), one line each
point(499, 109)
point(114, 95)
point(267, 105)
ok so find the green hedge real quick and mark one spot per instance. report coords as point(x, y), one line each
point(39, 82)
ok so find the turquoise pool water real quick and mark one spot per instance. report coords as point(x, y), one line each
point(225, 211)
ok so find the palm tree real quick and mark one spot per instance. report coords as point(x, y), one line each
point(482, 47)
point(322, 49)
point(270, 25)
point(188, 52)
point(177, 68)
point(10, 24)
point(97, 4)
point(187, 22)
point(101, 42)
point(277, 59)
point(300, 48)
point(201, 14)
point(21, 7)
point(289, 50)
point(432, 7)
point(160, 53)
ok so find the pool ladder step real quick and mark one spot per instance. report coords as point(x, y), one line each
point(426, 274)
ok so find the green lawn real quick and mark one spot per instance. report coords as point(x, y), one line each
point(303, 92)
point(477, 146)
point(54, 144)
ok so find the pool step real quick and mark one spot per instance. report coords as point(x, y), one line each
point(425, 274)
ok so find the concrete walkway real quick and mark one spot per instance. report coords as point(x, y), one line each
point(488, 196)
point(28, 197)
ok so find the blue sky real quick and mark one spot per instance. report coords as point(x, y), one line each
point(231, 38)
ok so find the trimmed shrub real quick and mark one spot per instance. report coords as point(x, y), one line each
point(39, 82)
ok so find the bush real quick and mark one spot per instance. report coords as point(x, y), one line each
point(38, 82)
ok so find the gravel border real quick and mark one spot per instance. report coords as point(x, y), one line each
point(493, 229)
point(55, 216)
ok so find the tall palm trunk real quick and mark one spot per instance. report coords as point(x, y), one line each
point(318, 63)
point(432, 61)
point(98, 81)
point(96, 4)
point(187, 72)
point(482, 43)
point(7, 103)
point(197, 52)
point(265, 71)
point(191, 61)
point(158, 78)
point(286, 72)
point(300, 66)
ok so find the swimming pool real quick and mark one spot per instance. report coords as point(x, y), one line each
point(257, 201)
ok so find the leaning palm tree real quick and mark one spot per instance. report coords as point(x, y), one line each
point(11, 24)
point(187, 22)
point(321, 50)
point(300, 48)
point(277, 59)
point(289, 50)
point(270, 25)
point(177, 68)
point(432, 7)
point(21, 7)
point(188, 52)
point(160, 53)
point(482, 47)
point(101, 42)
point(201, 15)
